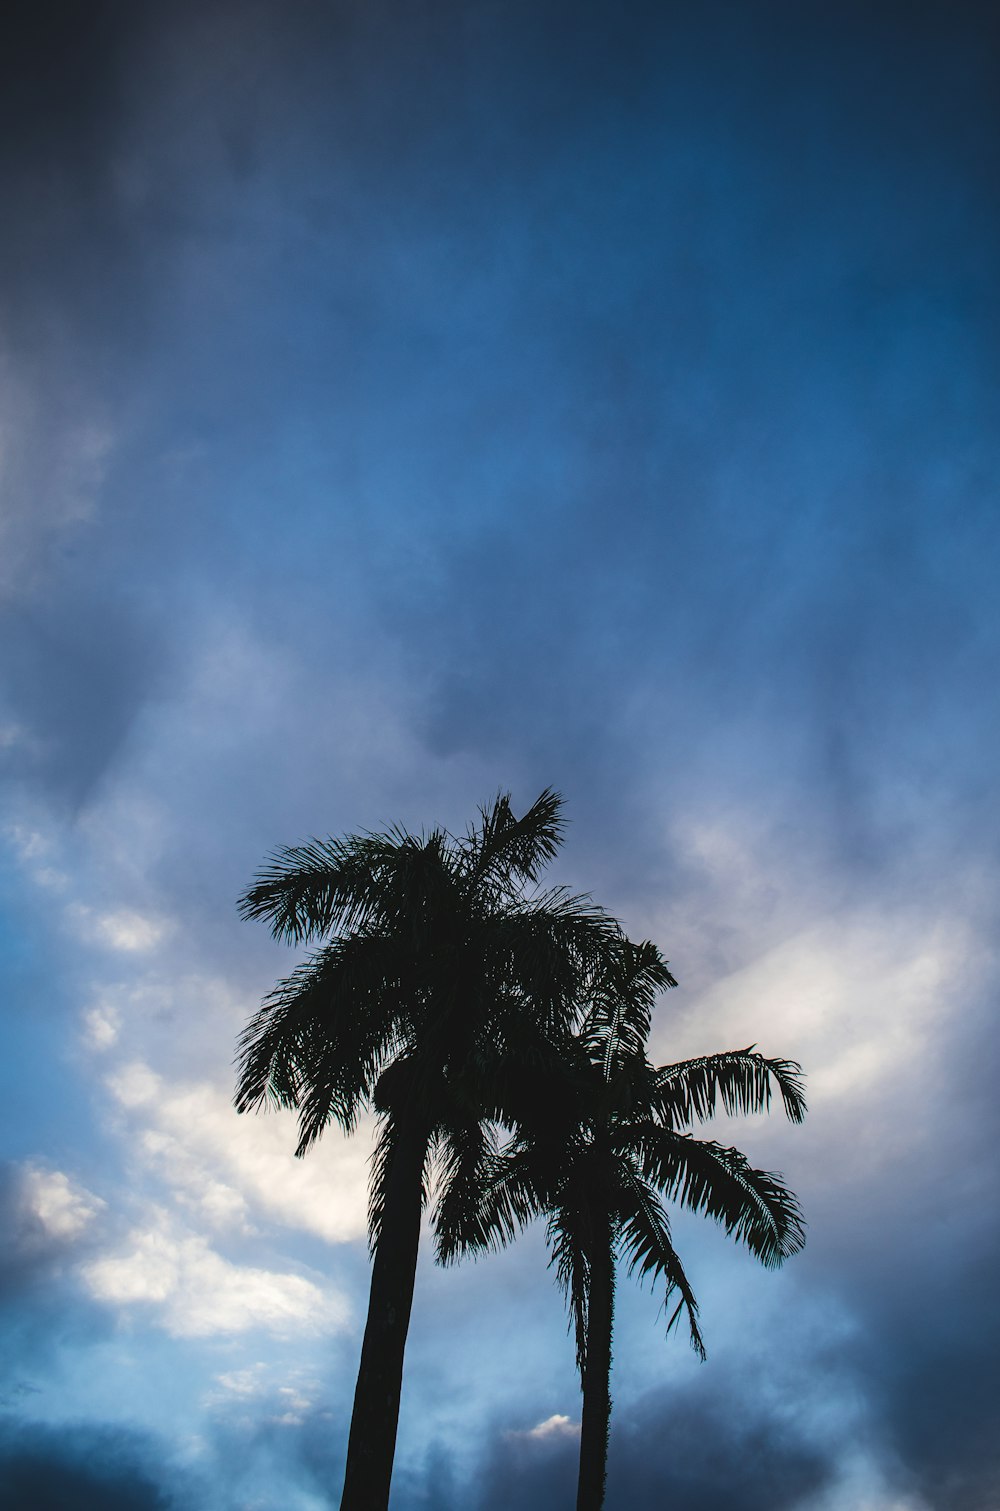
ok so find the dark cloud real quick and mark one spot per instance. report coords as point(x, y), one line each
point(619, 300)
point(77, 1466)
point(75, 675)
point(42, 1312)
point(923, 1292)
point(627, 380)
point(703, 1448)
point(522, 1471)
point(711, 1448)
point(24, 1245)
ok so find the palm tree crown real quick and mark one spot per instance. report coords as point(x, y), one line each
point(598, 1155)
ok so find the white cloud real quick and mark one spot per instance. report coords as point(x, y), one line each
point(243, 1382)
point(125, 931)
point(857, 994)
point(102, 1025)
point(553, 1429)
point(32, 848)
point(63, 1208)
point(223, 1165)
point(195, 1292)
point(134, 1085)
point(856, 999)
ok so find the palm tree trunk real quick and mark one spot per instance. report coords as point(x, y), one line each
point(372, 1442)
point(596, 1418)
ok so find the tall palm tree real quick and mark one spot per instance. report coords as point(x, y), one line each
point(442, 962)
point(598, 1157)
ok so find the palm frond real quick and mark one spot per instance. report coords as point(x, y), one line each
point(754, 1206)
point(567, 1239)
point(487, 1198)
point(644, 1236)
point(618, 1018)
point(548, 952)
point(504, 851)
point(320, 1038)
point(306, 891)
point(740, 1081)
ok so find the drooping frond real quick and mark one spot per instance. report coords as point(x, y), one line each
point(754, 1206)
point(740, 1082)
point(487, 1198)
point(466, 1156)
point(644, 1237)
point(569, 1232)
point(319, 1040)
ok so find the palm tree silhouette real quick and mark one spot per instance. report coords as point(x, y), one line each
point(444, 968)
point(598, 1155)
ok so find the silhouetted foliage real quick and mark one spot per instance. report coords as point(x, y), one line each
point(598, 1150)
point(445, 975)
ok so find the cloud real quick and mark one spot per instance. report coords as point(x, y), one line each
point(626, 389)
point(44, 1215)
point(102, 1025)
point(49, 1468)
point(703, 1448)
point(555, 1426)
point(65, 1210)
point(226, 1167)
point(54, 460)
point(194, 1292)
point(76, 674)
point(710, 1448)
point(124, 931)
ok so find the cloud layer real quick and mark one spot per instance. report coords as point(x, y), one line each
point(405, 404)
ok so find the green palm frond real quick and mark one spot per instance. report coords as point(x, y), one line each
point(644, 1236)
point(740, 1081)
point(754, 1206)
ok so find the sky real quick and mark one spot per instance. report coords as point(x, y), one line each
point(402, 403)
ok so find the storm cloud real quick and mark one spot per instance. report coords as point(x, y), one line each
point(399, 405)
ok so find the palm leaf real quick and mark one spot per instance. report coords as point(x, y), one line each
point(741, 1081)
point(753, 1206)
point(319, 1040)
point(618, 1020)
point(644, 1235)
point(487, 1198)
point(505, 850)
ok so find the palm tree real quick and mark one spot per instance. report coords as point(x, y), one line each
point(442, 962)
point(598, 1157)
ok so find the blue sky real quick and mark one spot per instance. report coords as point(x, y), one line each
point(405, 403)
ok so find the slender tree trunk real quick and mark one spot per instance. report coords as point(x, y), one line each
point(597, 1379)
point(372, 1442)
